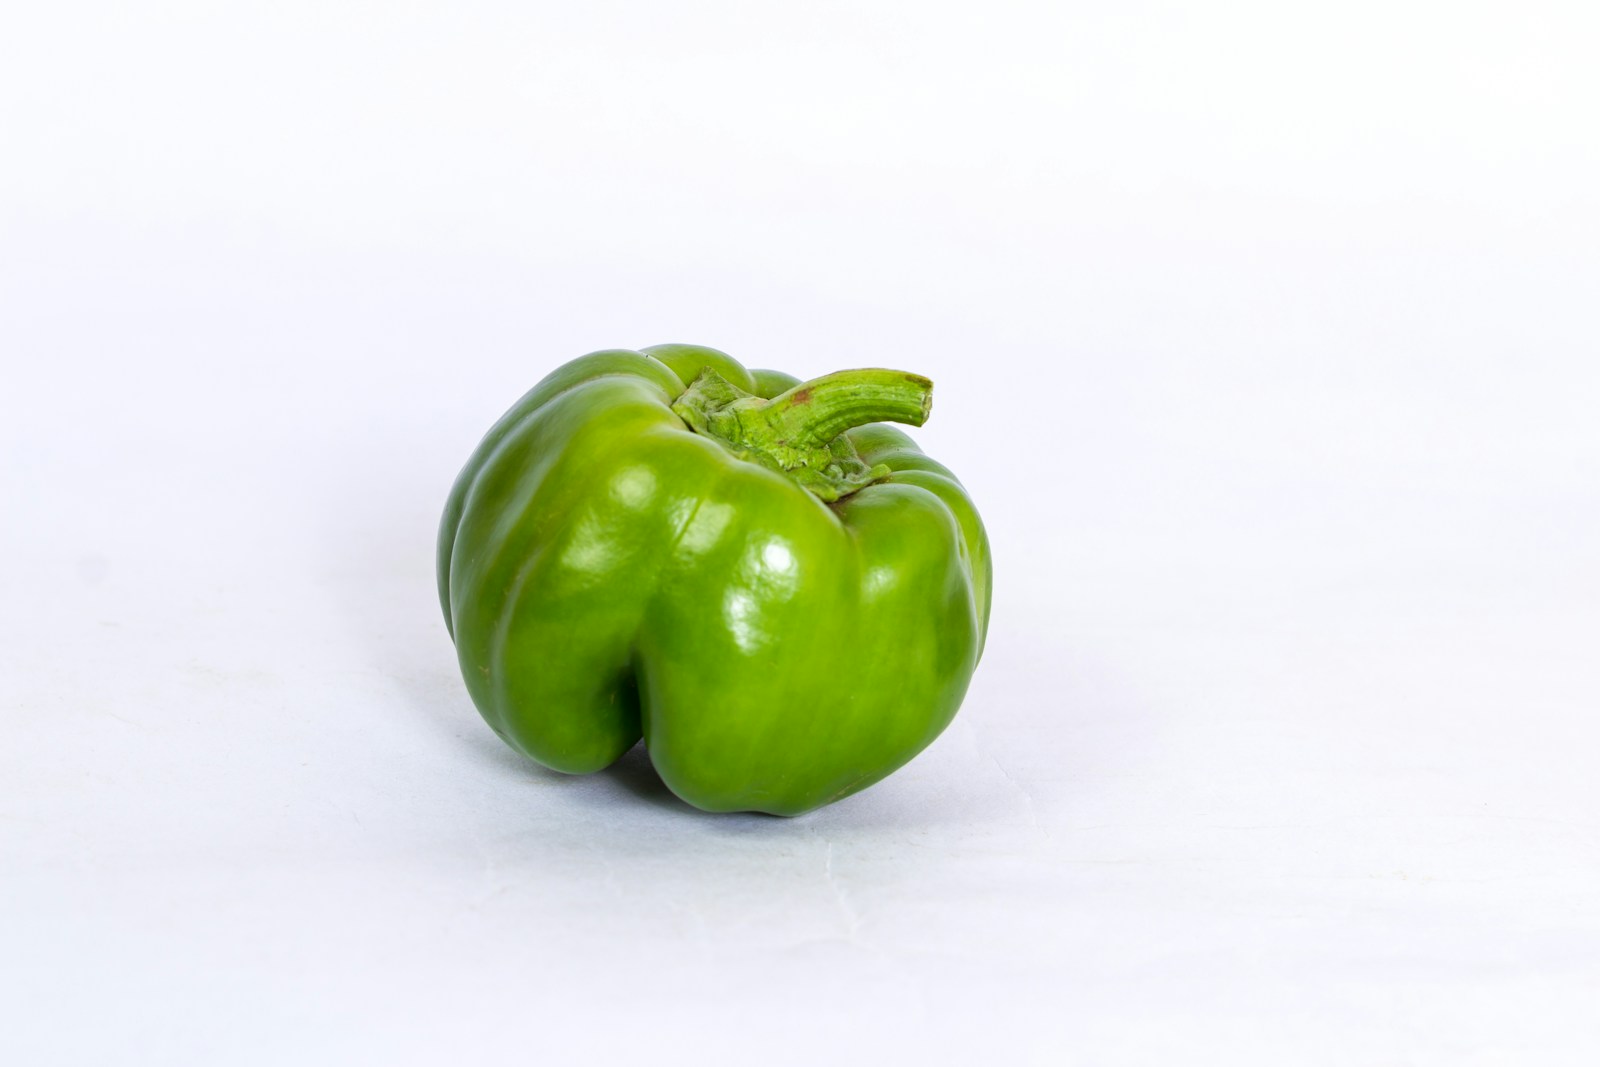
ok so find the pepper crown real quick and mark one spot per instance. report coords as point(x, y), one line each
point(801, 432)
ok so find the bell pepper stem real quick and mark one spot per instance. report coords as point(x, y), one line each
point(801, 432)
point(813, 413)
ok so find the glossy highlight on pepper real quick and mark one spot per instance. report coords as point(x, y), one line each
point(772, 588)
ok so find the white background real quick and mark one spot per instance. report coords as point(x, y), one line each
point(1266, 338)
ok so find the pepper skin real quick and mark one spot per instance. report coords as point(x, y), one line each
point(779, 593)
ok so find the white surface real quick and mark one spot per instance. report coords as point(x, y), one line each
point(1266, 340)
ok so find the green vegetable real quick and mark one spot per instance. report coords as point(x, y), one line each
point(781, 595)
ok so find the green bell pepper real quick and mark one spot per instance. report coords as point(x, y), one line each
point(780, 594)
